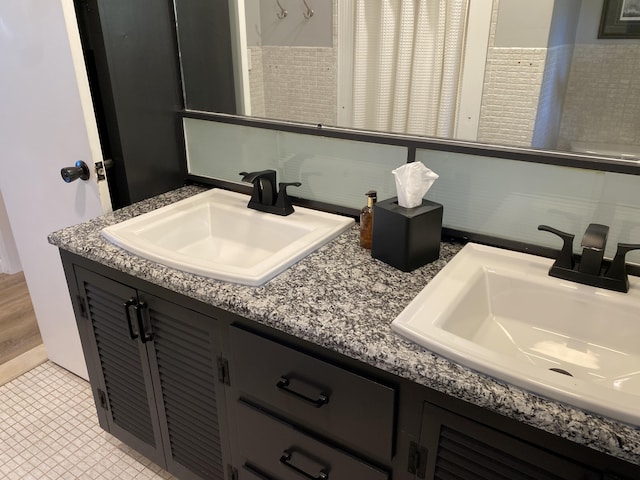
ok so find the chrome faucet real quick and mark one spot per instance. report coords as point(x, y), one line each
point(265, 197)
point(590, 267)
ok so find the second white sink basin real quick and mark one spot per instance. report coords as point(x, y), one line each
point(214, 234)
point(499, 312)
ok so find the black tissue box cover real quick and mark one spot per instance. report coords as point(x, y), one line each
point(406, 238)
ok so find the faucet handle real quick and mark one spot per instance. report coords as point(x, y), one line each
point(283, 185)
point(618, 268)
point(283, 204)
point(565, 257)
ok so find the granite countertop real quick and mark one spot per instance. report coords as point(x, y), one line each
point(342, 299)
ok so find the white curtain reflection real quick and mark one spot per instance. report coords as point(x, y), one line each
point(407, 58)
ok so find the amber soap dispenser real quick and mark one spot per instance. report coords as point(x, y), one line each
point(366, 220)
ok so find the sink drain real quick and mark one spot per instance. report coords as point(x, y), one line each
point(560, 370)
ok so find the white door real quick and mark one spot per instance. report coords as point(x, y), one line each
point(46, 123)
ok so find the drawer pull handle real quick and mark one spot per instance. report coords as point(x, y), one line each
point(286, 460)
point(284, 385)
point(144, 322)
point(133, 327)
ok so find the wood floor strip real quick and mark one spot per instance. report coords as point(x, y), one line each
point(22, 364)
point(19, 331)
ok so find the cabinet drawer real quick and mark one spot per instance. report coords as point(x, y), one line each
point(280, 451)
point(348, 408)
point(247, 473)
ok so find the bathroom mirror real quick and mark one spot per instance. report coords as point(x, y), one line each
point(515, 73)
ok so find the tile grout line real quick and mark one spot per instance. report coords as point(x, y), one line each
point(49, 430)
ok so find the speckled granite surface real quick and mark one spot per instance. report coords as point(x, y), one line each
point(341, 298)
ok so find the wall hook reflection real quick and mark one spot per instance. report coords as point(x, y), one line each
point(283, 13)
point(309, 12)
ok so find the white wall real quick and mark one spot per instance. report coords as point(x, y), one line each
point(295, 30)
point(524, 23)
point(252, 14)
point(9, 259)
point(527, 71)
point(589, 22)
point(562, 35)
point(564, 22)
point(293, 61)
point(602, 101)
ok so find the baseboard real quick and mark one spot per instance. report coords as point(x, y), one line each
point(22, 364)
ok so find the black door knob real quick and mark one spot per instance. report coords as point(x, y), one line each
point(80, 170)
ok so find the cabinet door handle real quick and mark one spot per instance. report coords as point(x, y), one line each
point(144, 321)
point(133, 327)
point(284, 385)
point(287, 460)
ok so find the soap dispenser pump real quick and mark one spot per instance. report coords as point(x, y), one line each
point(366, 220)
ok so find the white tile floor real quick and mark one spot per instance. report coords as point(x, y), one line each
point(49, 430)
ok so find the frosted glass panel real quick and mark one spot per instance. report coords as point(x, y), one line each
point(222, 151)
point(492, 196)
point(331, 170)
point(509, 199)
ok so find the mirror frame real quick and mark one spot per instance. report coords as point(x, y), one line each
point(221, 112)
point(412, 143)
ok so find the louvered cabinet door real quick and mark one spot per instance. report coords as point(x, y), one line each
point(459, 448)
point(119, 372)
point(184, 350)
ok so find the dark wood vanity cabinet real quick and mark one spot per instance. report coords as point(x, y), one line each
point(457, 447)
point(299, 416)
point(154, 372)
point(209, 395)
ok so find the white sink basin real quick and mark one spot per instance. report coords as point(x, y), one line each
point(499, 312)
point(214, 234)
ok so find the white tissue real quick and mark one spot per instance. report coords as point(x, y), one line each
point(413, 180)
